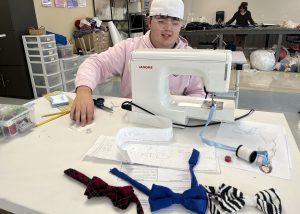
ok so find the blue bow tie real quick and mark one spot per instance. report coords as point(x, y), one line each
point(194, 199)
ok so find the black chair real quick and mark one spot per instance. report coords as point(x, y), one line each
point(208, 45)
point(220, 16)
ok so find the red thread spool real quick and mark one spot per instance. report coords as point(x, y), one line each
point(227, 159)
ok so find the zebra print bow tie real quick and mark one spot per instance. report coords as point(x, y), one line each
point(232, 200)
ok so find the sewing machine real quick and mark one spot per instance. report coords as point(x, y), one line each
point(150, 69)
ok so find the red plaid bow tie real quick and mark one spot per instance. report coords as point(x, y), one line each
point(121, 197)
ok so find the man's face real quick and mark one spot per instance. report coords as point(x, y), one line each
point(164, 31)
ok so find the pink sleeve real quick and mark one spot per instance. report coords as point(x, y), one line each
point(100, 67)
point(195, 88)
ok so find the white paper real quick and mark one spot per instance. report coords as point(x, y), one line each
point(257, 136)
point(81, 3)
point(47, 3)
point(161, 131)
point(174, 156)
point(151, 146)
point(105, 148)
point(78, 128)
point(178, 181)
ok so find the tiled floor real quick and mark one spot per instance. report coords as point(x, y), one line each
point(270, 81)
point(275, 92)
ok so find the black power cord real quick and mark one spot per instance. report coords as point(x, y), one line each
point(127, 105)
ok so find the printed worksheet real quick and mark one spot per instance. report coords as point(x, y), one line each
point(178, 181)
point(173, 156)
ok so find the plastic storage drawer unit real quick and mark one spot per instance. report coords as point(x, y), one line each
point(69, 63)
point(45, 45)
point(81, 59)
point(65, 51)
point(46, 52)
point(50, 67)
point(40, 91)
point(40, 38)
point(70, 86)
point(69, 74)
point(53, 80)
point(50, 58)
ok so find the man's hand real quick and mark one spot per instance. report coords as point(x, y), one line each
point(83, 106)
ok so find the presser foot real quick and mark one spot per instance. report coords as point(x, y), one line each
point(207, 104)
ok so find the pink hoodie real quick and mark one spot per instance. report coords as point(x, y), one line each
point(100, 67)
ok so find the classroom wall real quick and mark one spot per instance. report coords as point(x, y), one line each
point(61, 20)
point(268, 11)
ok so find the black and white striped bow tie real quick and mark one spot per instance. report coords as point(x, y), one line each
point(231, 200)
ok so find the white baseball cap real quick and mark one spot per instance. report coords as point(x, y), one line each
point(173, 8)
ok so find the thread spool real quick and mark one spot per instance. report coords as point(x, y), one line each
point(246, 153)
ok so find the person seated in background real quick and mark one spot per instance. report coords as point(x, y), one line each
point(242, 18)
point(165, 21)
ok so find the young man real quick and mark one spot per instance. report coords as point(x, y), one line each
point(165, 22)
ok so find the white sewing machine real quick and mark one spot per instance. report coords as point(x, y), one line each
point(150, 69)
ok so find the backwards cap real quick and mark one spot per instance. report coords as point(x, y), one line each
point(173, 8)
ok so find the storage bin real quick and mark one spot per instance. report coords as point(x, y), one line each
point(37, 31)
point(69, 74)
point(14, 119)
point(65, 51)
point(69, 63)
point(43, 64)
point(50, 67)
point(40, 91)
point(50, 58)
point(53, 80)
point(46, 45)
point(40, 38)
point(47, 52)
point(70, 86)
point(101, 41)
point(82, 58)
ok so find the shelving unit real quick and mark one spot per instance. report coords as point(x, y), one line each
point(48, 73)
point(43, 64)
point(132, 19)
